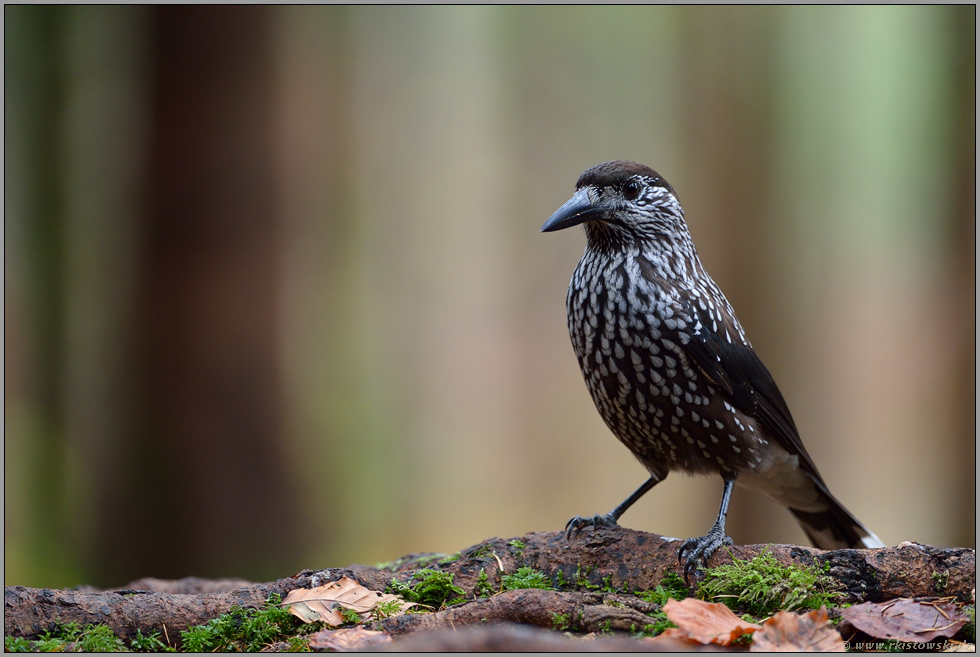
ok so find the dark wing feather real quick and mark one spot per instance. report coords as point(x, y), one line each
point(740, 373)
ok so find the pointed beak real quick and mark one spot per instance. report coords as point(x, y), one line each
point(577, 210)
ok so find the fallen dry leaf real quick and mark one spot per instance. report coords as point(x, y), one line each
point(706, 622)
point(311, 605)
point(906, 620)
point(350, 639)
point(789, 632)
point(671, 636)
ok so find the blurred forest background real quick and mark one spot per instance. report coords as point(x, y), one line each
point(275, 296)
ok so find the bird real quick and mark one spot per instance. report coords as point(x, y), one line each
point(670, 369)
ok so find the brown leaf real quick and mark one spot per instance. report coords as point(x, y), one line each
point(310, 605)
point(349, 639)
point(670, 637)
point(707, 622)
point(789, 632)
point(906, 620)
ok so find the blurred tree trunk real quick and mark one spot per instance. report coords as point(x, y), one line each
point(964, 270)
point(728, 69)
point(203, 487)
point(34, 318)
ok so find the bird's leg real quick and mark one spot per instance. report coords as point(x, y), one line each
point(694, 552)
point(610, 519)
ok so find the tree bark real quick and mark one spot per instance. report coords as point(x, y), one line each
point(595, 566)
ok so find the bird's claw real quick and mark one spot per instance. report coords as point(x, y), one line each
point(578, 522)
point(695, 552)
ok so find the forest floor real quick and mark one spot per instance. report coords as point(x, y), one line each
point(602, 590)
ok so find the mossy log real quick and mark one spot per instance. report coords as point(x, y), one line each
point(588, 570)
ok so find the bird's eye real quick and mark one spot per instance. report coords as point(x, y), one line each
point(631, 190)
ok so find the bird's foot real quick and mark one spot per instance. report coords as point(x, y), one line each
point(578, 522)
point(694, 552)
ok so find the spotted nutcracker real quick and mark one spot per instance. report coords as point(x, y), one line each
point(669, 367)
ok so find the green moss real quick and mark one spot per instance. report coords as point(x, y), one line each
point(99, 638)
point(763, 586)
point(240, 630)
point(69, 637)
point(482, 552)
point(970, 629)
point(429, 558)
point(246, 630)
point(57, 640)
point(451, 558)
point(432, 589)
point(16, 644)
point(940, 581)
point(582, 580)
point(675, 586)
point(349, 616)
point(526, 578)
point(560, 582)
point(670, 586)
point(386, 609)
point(298, 644)
point(418, 561)
point(653, 629)
point(560, 621)
point(482, 588)
point(147, 642)
point(517, 548)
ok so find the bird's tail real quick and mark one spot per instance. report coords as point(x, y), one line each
point(835, 527)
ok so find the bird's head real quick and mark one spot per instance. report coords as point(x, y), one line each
point(623, 204)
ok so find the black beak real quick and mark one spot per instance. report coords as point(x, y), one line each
point(577, 210)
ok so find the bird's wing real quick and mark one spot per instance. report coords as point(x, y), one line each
point(735, 368)
point(740, 373)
